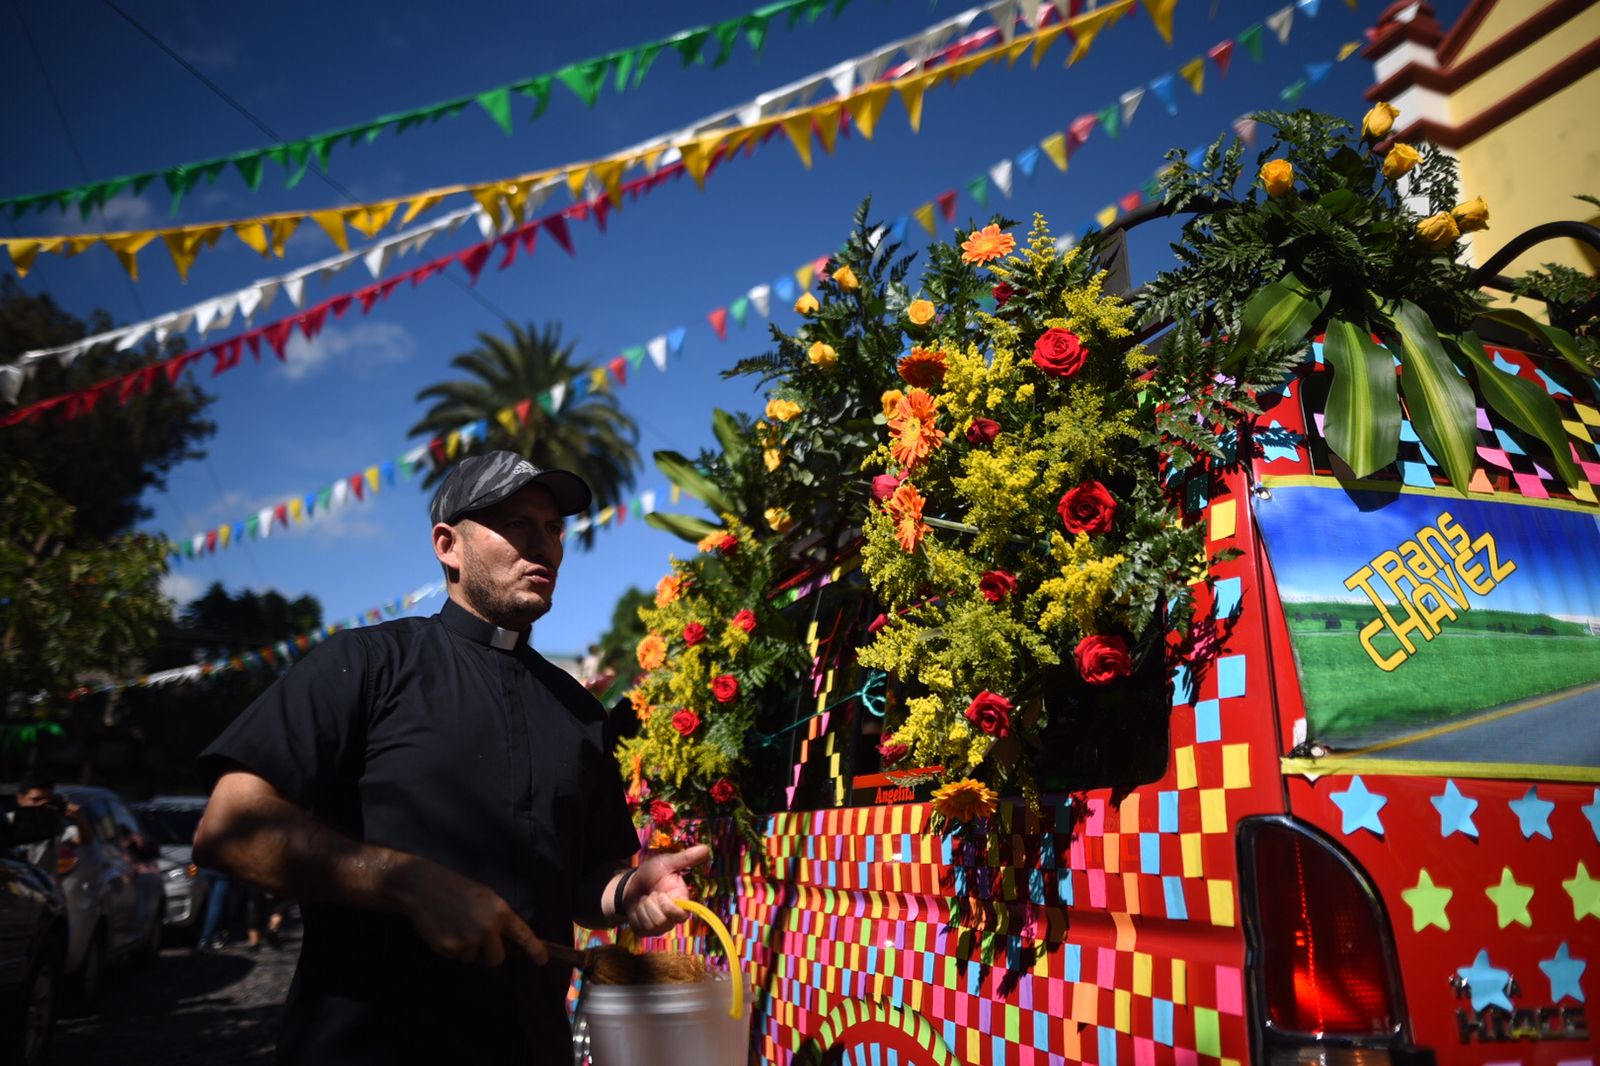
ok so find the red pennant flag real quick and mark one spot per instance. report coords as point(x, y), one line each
point(619, 369)
point(1222, 55)
point(1079, 132)
point(358, 485)
point(523, 410)
point(281, 513)
point(530, 237)
point(557, 225)
point(312, 321)
point(1130, 201)
point(367, 297)
point(719, 322)
point(440, 456)
point(227, 355)
point(211, 540)
point(253, 339)
point(509, 243)
point(578, 212)
point(819, 267)
point(602, 208)
point(622, 513)
point(340, 304)
point(947, 205)
point(472, 260)
point(174, 368)
point(270, 656)
point(385, 288)
point(277, 335)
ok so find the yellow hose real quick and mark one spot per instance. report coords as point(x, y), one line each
point(706, 915)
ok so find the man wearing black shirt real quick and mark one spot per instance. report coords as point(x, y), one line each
point(439, 797)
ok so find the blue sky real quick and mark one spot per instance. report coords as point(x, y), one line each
point(345, 402)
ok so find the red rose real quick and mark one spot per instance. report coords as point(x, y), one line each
point(1059, 352)
point(883, 486)
point(693, 633)
point(983, 431)
point(1002, 293)
point(1089, 508)
point(661, 813)
point(996, 585)
point(686, 721)
point(990, 712)
point(723, 791)
point(728, 544)
point(745, 620)
point(725, 688)
point(892, 752)
point(1101, 660)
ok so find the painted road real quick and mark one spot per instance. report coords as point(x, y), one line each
point(1559, 729)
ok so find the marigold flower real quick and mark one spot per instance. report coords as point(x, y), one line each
point(1471, 216)
point(987, 244)
point(807, 304)
point(782, 410)
point(913, 434)
point(964, 800)
point(778, 519)
point(1379, 121)
point(660, 841)
point(890, 400)
point(640, 701)
point(1400, 160)
point(920, 312)
point(905, 509)
point(651, 652)
point(845, 278)
point(823, 355)
point(1438, 230)
point(925, 368)
point(1278, 176)
point(710, 541)
point(668, 589)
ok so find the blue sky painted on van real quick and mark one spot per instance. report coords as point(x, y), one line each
point(346, 401)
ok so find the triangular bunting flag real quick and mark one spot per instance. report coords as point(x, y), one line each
point(1162, 87)
point(1161, 15)
point(947, 205)
point(866, 108)
point(1310, 7)
point(798, 129)
point(1111, 118)
point(740, 310)
point(1221, 54)
point(1280, 23)
point(1348, 49)
point(761, 298)
point(1315, 72)
point(1292, 93)
point(675, 341)
point(1106, 215)
point(1000, 175)
point(911, 92)
point(1194, 72)
point(1086, 30)
point(924, 216)
point(557, 393)
point(1130, 103)
point(719, 322)
point(1055, 146)
point(1250, 40)
point(1027, 160)
point(657, 349)
point(1246, 130)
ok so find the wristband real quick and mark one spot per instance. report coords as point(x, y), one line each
point(618, 892)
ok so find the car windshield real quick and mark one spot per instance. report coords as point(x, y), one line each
point(171, 825)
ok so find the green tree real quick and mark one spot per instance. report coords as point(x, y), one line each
point(102, 463)
point(619, 643)
point(588, 434)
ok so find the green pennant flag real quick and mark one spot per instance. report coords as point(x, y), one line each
point(249, 166)
point(1111, 119)
point(643, 59)
point(180, 181)
point(584, 79)
point(497, 102)
point(691, 46)
point(298, 153)
point(978, 189)
point(547, 403)
point(740, 310)
point(1292, 93)
point(623, 63)
point(1250, 41)
point(322, 149)
point(252, 527)
point(1152, 190)
point(755, 30)
point(537, 90)
point(725, 34)
point(324, 498)
point(634, 355)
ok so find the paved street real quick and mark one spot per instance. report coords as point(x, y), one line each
point(187, 1010)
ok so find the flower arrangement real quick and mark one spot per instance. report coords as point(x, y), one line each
point(1020, 517)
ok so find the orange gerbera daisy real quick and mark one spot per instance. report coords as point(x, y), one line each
point(668, 589)
point(905, 508)
point(964, 800)
point(912, 433)
point(923, 368)
point(652, 651)
point(986, 244)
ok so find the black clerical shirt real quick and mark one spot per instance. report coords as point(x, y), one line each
point(423, 736)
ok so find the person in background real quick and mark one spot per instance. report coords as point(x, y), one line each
point(37, 791)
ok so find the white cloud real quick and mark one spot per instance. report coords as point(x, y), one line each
point(122, 213)
point(180, 588)
point(365, 347)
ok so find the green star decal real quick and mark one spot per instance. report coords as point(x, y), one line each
point(1511, 900)
point(1427, 902)
point(1585, 893)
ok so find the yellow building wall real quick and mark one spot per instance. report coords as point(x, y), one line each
point(1502, 18)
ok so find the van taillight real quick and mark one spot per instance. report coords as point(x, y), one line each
point(66, 858)
point(1320, 941)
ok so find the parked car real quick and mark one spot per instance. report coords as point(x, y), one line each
point(33, 943)
point(170, 822)
point(112, 883)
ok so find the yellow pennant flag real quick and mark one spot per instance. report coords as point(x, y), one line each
point(677, 493)
point(803, 277)
point(697, 155)
point(253, 234)
point(1348, 49)
point(126, 246)
point(1161, 15)
point(490, 197)
point(297, 508)
point(797, 127)
point(507, 417)
point(419, 205)
point(911, 90)
point(23, 253)
point(924, 215)
point(576, 177)
point(1106, 215)
point(1194, 72)
point(1042, 43)
point(597, 380)
point(225, 533)
point(605, 516)
point(183, 245)
point(332, 223)
point(1055, 147)
point(828, 124)
point(609, 174)
point(282, 229)
point(1087, 27)
point(371, 218)
point(1017, 49)
point(865, 108)
point(452, 444)
point(373, 478)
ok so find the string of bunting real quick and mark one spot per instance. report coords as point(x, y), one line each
point(282, 653)
point(586, 79)
point(697, 146)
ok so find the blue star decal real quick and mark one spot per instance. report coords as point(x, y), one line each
point(1279, 443)
point(1359, 807)
point(1455, 812)
point(1564, 971)
point(1534, 814)
point(1591, 811)
point(1486, 982)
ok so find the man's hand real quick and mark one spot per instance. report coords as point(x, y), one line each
point(461, 919)
point(650, 906)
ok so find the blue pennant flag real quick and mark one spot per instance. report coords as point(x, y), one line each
point(675, 341)
point(1309, 7)
point(1315, 72)
point(897, 232)
point(1027, 159)
point(1162, 87)
point(1195, 158)
point(783, 288)
point(386, 471)
point(311, 504)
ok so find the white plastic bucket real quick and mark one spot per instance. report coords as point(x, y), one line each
point(666, 1025)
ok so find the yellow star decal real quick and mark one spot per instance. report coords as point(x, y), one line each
point(1511, 900)
point(1585, 893)
point(1427, 902)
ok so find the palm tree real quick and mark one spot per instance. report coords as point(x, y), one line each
point(588, 434)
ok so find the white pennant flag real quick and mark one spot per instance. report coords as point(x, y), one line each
point(1000, 174)
point(843, 78)
point(647, 501)
point(1280, 21)
point(341, 492)
point(204, 313)
point(558, 392)
point(761, 299)
point(263, 523)
point(1005, 19)
point(10, 382)
point(294, 287)
point(657, 348)
point(377, 260)
point(129, 339)
point(486, 223)
point(225, 309)
point(868, 69)
point(1130, 103)
point(179, 322)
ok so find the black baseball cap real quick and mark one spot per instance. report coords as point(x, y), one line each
point(480, 481)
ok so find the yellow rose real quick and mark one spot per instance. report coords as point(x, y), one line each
point(1379, 121)
point(1400, 160)
point(920, 312)
point(807, 304)
point(778, 519)
point(772, 457)
point(823, 355)
point(845, 278)
point(1438, 230)
point(1471, 216)
point(782, 410)
point(1278, 176)
point(891, 400)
